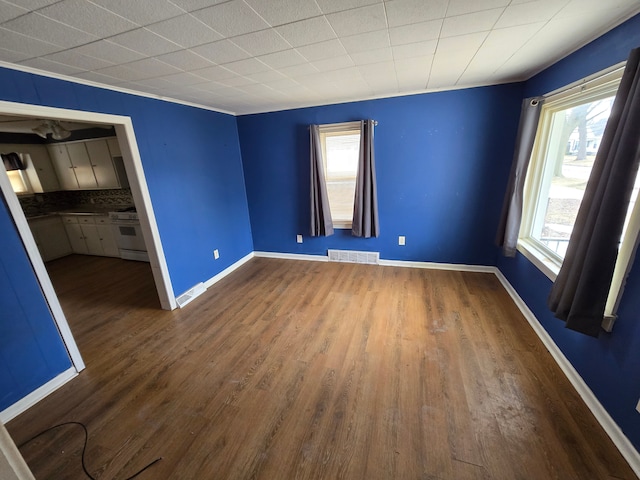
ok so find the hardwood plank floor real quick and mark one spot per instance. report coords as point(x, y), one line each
point(308, 370)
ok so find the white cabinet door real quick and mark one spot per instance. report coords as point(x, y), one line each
point(82, 165)
point(102, 164)
point(107, 240)
point(76, 238)
point(63, 166)
point(45, 178)
point(92, 239)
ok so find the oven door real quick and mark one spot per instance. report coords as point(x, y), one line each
point(129, 235)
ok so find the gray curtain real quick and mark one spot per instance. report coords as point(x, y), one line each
point(365, 209)
point(511, 217)
point(321, 223)
point(580, 292)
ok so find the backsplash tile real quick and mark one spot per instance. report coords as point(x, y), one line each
point(43, 203)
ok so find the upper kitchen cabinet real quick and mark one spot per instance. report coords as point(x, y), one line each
point(39, 173)
point(88, 165)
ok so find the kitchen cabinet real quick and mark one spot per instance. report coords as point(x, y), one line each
point(91, 235)
point(51, 237)
point(39, 171)
point(88, 165)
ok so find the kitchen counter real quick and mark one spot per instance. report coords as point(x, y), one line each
point(82, 210)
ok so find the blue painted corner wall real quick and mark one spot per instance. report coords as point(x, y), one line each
point(442, 160)
point(192, 164)
point(610, 365)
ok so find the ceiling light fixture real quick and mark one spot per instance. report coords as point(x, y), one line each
point(53, 127)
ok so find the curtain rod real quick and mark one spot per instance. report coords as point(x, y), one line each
point(343, 124)
point(584, 82)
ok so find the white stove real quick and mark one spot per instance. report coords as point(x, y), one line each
point(126, 228)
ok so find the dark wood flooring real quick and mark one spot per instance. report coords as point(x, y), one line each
point(306, 370)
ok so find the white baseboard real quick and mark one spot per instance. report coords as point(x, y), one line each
point(34, 397)
point(292, 256)
point(619, 439)
point(228, 270)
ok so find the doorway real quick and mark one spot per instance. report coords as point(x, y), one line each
point(139, 191)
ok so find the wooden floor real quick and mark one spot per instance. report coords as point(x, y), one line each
point(306, 370)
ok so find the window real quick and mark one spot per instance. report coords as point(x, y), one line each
point(569, 133)
point(18, 178)
point(340, 150)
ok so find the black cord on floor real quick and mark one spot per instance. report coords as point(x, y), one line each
point(84, 448)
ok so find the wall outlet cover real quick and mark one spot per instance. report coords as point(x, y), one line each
point(299, 238)
point(216, 254)
point(401, 240)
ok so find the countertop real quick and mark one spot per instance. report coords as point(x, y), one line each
point(81, 210)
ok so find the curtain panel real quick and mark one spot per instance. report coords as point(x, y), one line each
point(580, 292)
point(511, 217)
point(365, 212)
point(321, 223)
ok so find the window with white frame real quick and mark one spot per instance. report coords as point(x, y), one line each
point(569, 132)
point(340, 144)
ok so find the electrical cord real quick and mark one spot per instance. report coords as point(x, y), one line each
point(84, 448)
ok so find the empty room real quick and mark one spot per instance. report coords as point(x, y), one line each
point(318, 239)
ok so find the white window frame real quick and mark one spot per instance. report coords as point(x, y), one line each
point(599, 86)
point(337, 129)
point(20, 176)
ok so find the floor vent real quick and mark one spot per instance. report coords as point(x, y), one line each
point(352, 256)
point(190, 294)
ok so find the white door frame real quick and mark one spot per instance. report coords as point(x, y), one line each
point(141, 197)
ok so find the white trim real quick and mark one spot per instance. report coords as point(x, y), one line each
point(437, 266)
point(216, 278)
point(34, 397)
point(292, 256)
point(612, 429)
point(544, 263)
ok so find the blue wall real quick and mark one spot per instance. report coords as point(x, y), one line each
point(442, 160)
point(191, 158)
point(610, 365)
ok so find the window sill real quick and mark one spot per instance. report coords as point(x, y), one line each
point(545, 264)
point(342, 225)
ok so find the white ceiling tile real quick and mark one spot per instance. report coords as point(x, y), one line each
point(462, 43)
point(460, 7)
point(418, 32)
point(76, 59)
point(142, 13)
point(34, 4)
point(185, 60)
point(191, 5)
point(279, 12)
point(98, 77)
point(372, 56)
point(358, 20)
point(418, 49)
point(471, 22)
point(265, 77)
point(333, 63)
point(184, 78)
point(146, 42)
point(13, 57)
point(530, 12)
point(151, 67)
point(236, 81)
point(286, 58)
point(582, 7)
point(411, 65)
point(413, 83)
point(256, 89)
point(185, 30)
point(366, 41)
point(88, 17)
point(50, 66)
point(330, 6)
point(17, 42)
point(223, 51)
point(298, 70)
point(321, 50)
point(121, 72)
point(214, 73)
point(9, 11)
point(405, 12)
point(286, 85)
point(231, 18)
point(247, 66)
point(108, 51)
point(306, 32)
point(261, 43)
point(42, 28)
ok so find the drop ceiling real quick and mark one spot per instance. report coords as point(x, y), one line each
point(247, 56)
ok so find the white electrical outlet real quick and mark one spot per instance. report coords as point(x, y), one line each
point(638, 406)
point(299, 238)
point(401, 240)
point(216, 254)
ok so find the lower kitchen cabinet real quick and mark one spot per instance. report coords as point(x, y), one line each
point(91, 235)
point(51, 237)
